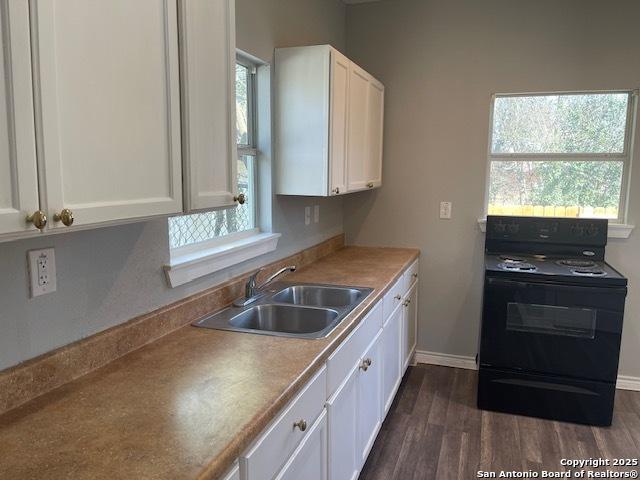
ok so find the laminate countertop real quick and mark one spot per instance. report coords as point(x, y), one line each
point(188, 404)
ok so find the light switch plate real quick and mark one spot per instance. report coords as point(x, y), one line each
point(316, 214)
point(445, 210)
point(307, 215)
point(42, 271)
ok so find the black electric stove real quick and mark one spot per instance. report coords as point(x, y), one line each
point(552, 319)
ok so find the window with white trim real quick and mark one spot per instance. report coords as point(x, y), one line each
point(193, 229)
point(561, 154)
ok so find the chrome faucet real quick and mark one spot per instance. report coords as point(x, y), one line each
point(252, 291)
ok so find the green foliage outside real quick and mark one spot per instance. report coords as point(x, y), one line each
point(592, 124)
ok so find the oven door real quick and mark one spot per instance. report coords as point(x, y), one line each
point(554, 329)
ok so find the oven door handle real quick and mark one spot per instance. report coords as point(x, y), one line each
point(499, 282)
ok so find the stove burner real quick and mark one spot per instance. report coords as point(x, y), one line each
point(518, 267)
point(589, 272)
point(577, 263)
point(511, 259)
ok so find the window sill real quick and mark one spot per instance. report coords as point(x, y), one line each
point(196, 263)
point(616, 230)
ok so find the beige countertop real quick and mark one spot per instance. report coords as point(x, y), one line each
point(188, 404)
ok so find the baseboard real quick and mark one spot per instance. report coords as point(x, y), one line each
point(446, 360)
point(625, 382)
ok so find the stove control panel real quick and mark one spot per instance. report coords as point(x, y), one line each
point(570, 231)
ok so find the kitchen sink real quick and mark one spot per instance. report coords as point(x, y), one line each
point(284, 318)
point(317, 296)
point(290, 310)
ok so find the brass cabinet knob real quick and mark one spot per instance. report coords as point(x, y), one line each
point(39, 219)
point(366, 363)
point(241, 199)
point(415, 275)
point(301, 424)
point(336, 191)
point(398, 297)
point(370, 185)
point(65, 216)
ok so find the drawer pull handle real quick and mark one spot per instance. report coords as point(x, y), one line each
point(407, 302)
point(301, 424)
point(415, 275)
point(366, 363)
point(398, 297)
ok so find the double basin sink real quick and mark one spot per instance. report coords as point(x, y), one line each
point(291, 310)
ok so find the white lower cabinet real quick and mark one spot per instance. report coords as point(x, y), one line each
point(409, 325)
point(342, 411)
point(309, 461)
point(329, 428)
point(277, 444)
point(369, 398)
point(391, 361)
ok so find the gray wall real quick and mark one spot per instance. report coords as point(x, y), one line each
point(440, 61)
point(109, 275)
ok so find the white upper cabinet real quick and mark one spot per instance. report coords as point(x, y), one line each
point(375, 131)
point(328, 123)
point(357, 150)
point(107, 108)
point(338, 122)
point(366, 112)
point(208, 103)
point(18, 171)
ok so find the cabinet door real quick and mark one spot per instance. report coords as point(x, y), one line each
point(108, 117)
point(342, 415)
point(309, 461)
point(357, 145)
point(391, 361)
point(18, 172)
point(208, 62)
point(369, 399)
point(409, 325)
point(375, 129)
point(338, 122)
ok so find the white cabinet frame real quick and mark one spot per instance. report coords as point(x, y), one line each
point(208, 59)
point(20, 150)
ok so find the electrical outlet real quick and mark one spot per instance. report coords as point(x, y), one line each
point(445, 210)
point(316, 214)
point(42, 271)
point(307, 215)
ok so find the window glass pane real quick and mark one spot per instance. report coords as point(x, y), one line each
point(569, 123)
point(556, 188)
point(242, 104)
point(199, 227)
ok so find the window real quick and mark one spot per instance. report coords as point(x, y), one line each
point(201, 227)
point(561, 154)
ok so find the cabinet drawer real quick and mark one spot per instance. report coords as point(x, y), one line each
point(281, 438)
point(411, 275)
point(349, 353)
point(392, 299)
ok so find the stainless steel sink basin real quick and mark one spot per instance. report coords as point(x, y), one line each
point(318, 296)
point(284, 318)
point(290, 310)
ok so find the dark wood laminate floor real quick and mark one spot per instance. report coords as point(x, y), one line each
point(435, 431)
